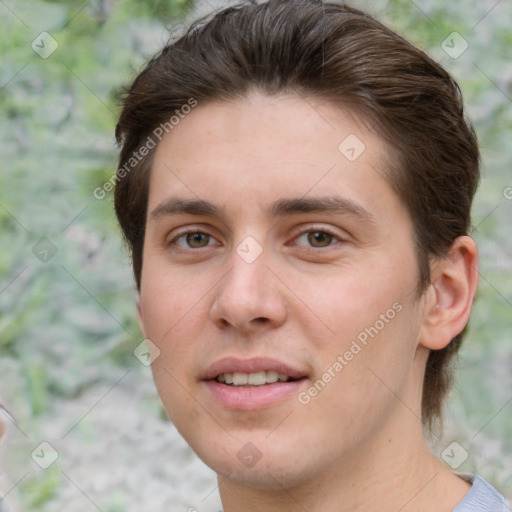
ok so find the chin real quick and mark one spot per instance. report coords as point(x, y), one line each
point(272, 476)
point(273, 467)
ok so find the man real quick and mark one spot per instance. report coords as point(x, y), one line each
point(295, 185)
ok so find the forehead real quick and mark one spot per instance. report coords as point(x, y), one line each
point(250, 153)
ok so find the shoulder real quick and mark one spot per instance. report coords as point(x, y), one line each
point(482, 497)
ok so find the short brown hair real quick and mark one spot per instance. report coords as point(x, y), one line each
point(331, 52)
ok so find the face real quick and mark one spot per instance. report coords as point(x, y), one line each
point(279, 283)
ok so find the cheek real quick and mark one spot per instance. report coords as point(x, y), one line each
point(172, 328)
point(174, 393)
point(368, 378)
point(170, 309)
point(169, 301)
point(375, 362)
point(374, 326)
point(350, 301)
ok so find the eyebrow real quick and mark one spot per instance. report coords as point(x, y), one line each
point(278, 209)
point(177, 206)
point(321, 204)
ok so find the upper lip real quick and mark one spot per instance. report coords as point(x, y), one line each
point(253, 365)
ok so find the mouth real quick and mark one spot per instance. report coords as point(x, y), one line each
point(257, 371)
point(251, 384)
point(253, 380)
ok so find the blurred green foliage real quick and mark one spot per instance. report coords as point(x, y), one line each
point(58, 118)
point(65, 323)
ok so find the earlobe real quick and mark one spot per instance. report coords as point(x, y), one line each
point(453, 288)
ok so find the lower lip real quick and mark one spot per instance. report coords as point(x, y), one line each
point(244, 399)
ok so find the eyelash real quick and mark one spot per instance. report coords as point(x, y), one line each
point(302, 233)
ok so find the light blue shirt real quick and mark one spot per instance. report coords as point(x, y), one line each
point(482, 497)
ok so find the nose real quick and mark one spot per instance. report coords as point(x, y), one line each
point(250, 297)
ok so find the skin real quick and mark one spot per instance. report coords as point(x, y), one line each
point(358, 444)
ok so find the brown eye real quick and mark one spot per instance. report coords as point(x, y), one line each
point(193, 240)
point(319, 238)
point(196, 240)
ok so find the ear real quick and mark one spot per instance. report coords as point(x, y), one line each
point(140, 314)
point(450, 297)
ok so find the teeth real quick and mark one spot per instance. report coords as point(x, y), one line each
point(252, 379)
point(257, 379)
point(239, 379)
point(272, 377)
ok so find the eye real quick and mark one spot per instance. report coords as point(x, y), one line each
point(193, 240)
point(317, 238)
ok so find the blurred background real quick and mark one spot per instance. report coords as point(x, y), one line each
point(86, 430)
